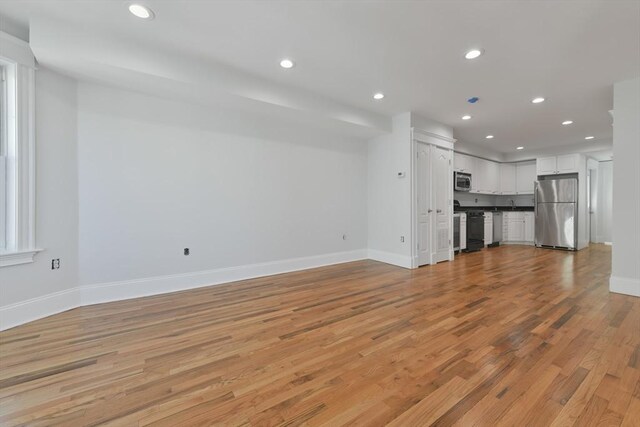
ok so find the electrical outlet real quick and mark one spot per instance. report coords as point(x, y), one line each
point(401, 239)
point(186, 251)
point(55, 263)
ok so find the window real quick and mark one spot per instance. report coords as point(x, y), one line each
point(17, 152)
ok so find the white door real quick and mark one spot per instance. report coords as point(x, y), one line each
point(442, 204)
point(424, 202)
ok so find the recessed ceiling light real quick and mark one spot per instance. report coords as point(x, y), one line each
point(537, 100)
point(473, 54)
point(378, 96)
point(589, 137)
point(141, 11)
point(467, 117)
point(489, 136)
point(519, 148)
point(567, 122)
point(287, 63)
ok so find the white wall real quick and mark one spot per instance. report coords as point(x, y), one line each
point(625, 274)
point(389, 197)
point(605, 201)
point(157, 176)
point(56, 201)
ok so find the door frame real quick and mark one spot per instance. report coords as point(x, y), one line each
point(430, 138)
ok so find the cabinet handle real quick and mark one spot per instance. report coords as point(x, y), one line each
point(438, 210)
point(429, 210)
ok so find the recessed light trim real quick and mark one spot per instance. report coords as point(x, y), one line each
point(473, 53)
point(287, 63)
point(489, 137)
point(589, 137)
point(378, 96)
point(141, 11)
point(519, 148)
point(537, 100)
point(466, 117)
point(567, 122)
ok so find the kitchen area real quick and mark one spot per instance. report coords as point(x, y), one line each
point(532, 202)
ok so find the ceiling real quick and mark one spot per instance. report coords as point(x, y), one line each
point(570, 52)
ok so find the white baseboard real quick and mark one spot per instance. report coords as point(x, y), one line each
point(608, 243)
point(36, 308)
point(390, 258)
point(624, 285)
point(116, 291)
point(46, 305)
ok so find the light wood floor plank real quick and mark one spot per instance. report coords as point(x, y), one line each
point(512, 335)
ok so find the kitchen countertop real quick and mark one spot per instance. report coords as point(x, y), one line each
point(494, 208)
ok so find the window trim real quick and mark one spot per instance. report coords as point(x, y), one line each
point(21, 214)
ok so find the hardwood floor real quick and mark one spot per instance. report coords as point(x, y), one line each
point(508, 336)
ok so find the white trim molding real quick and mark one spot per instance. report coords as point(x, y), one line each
point(36, 308)
point(26, 311)
point(16, 50)
point(432, 138)
point(390, 258)
point(624, 285)
point(17, 257)
point(20, 165)
point(116, 291)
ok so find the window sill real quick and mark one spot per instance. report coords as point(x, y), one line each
point(17, 257)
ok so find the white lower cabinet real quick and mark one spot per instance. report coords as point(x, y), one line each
point(463, 231)
point(518, 227)
point(529, 227)
point(488, 228)
point(515, 229)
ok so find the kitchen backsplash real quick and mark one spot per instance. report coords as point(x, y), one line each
point(471, 199)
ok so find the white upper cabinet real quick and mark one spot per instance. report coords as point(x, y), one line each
point(489, 177)
point(546, 165)
point(507, 178)
point(493, 177)
point(485, 176)
point(462, 162)
point(525, 177)
point(567, 163)
point(479, 177)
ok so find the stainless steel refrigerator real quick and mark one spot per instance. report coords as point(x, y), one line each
point(556, 212)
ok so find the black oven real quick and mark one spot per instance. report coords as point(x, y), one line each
point(475, 230)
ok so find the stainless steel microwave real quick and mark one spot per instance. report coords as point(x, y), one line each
point(461, 181)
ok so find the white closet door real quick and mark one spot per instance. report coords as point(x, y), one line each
point(440, 189)
point(424, 202)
